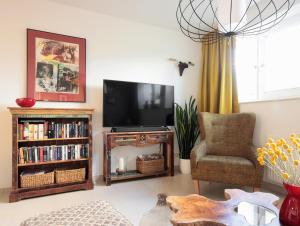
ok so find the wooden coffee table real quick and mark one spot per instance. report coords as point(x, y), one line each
point(240, 209)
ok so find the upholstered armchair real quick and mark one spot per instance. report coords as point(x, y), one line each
point(226, 153)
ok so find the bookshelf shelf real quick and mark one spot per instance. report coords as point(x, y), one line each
point(50, 186)
point(52, 162)
point(55, 139)
point(32, 153)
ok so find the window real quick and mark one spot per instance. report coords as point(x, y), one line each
point(268, 66)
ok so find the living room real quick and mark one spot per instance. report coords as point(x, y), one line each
point(138, 42)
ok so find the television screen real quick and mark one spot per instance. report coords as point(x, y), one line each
point(130, 104)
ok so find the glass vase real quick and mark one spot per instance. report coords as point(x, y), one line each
point(121, 165)
point(289, 214)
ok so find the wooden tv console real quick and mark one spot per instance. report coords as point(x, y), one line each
point(138, 139)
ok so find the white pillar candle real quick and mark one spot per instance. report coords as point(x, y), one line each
point(121, 164)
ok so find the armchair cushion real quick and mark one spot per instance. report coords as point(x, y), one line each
point(231, 169)
point(227, 135)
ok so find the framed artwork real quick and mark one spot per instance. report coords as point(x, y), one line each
point(56, 66)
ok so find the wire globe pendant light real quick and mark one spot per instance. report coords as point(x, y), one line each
point(212, 20)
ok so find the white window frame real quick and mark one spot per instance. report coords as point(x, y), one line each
point(261, 94)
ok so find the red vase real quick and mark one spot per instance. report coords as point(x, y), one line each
point(289, 214)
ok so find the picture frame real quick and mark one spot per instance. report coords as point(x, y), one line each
point(56, 67)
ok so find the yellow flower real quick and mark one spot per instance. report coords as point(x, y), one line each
point(278, 151)
point(274, 158)
point(259, 150)
point(268, 144)
point(270, 140)
point(273, 163)
point(260, 159)
point(270, 152)
point(293, 135)
point(296, 162)
point(284, 158)
point(262, 163)
point(279, 143)
point(285, 146)
point(273, 146)
point(283, 140)
point(285, 176)
point(289, 150)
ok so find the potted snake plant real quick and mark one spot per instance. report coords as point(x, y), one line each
point(187, 132)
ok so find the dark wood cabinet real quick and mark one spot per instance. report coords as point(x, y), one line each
point(138, 139)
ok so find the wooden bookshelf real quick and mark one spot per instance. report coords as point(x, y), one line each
point(62, 116)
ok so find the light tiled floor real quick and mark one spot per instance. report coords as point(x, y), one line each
point(131, 198)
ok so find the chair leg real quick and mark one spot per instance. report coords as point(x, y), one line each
point(197, 186)
point(255, 189)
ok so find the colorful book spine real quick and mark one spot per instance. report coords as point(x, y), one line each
point(40, 131)
point(52, 153)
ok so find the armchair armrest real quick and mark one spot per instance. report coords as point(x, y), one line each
point(197, 152)
point(252, 156)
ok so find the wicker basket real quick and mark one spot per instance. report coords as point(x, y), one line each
point(69, 176)
point(150, 166)
point(31, 181)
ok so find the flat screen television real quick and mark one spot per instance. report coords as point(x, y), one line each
point(131, 104)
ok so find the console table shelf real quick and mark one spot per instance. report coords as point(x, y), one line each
point(137, 139)
point(132, 174)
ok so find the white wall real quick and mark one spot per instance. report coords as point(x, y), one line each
point(274, 119)
point(116, 49)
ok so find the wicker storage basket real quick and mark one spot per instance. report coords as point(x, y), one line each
point(30, 181)
point(150, 166)
point(69, 176)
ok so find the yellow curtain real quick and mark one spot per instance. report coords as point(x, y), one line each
point(218, 91)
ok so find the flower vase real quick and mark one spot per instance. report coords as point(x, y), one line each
point(289, 214)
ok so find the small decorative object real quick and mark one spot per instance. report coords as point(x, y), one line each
point(159, 215)
point(55, 67)
point(283, 158)
point(182, 65)
point(122, 166)
point(209, 21)
point(25, 102)
point(187, 132)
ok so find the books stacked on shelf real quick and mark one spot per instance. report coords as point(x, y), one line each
point(42, 129)
point(52, 153)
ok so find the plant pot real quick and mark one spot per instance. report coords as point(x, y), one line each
point(185, 166)
point(289, 214)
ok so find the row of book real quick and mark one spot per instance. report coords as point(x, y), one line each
point(52, 153)
point(41, 129)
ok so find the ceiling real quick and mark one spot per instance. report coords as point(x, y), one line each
point(154, 12)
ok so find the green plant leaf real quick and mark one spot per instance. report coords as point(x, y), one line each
point(186, 127)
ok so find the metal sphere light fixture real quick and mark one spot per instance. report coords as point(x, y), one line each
point(212, 20)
